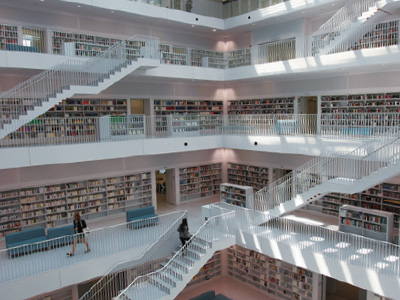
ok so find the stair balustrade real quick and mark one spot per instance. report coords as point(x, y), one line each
point(184, 264)
point(113, 281)
point(343, 26)
point(340, 168)
point(62, 81)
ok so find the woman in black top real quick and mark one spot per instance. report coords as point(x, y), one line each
point(79, 225)
point(184, 234)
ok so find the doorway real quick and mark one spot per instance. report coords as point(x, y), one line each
point(165, 188)
point(338, 290)
point(309, 106)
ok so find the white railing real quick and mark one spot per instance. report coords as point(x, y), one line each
point(338, 168)
point(111, 284)
point(214, 229)
point(213, 9)
point(346, 16)
point(39, 88)
point(104, 241)
point(369, 254)
point(60, 131)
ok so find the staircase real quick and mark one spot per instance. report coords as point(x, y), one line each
point(32, 98)
point(185, 263)
point(355, 171)
point(348, 25)
point(113, 281)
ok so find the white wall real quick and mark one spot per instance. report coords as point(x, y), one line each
point(55, 173)
point(276, 32)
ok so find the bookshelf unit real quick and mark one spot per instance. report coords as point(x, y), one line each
point(382, 35)
point(78, 44)
point(66, 119)
point(237, 195)
point(256, 177)
point(199, 181)
point(382, 197)
point(122, 127)
point(185, 125)
point(197, 55)
point(8, 35)
point(54, 205)
point(202, 107)
point(262, 106)
point(214, 62)
point(211, 269)
point(272, 276)
point(174, 55)
point(239, 58)
point(88, 108)
point(366, 222)
point(361, 103)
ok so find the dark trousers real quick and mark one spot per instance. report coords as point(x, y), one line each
point(183, 241)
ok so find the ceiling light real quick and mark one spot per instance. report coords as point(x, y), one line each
point(78, 6)
point(214, 29)
point(192, 25)
point(112, 11)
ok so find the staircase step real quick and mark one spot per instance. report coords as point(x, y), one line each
point(160, 284)
point(175, 272)
point(178, 265)
point(166, 279)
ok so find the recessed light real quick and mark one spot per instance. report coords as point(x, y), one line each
point(192, 25)
point(41, 0)
point(303, 12)
point(214, 29)
point(79, 6)
point(112, 11)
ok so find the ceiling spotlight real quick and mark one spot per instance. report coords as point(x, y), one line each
point(112, 11)
point(214, 29)
point(78, 6)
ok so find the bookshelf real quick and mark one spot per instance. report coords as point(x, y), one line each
point(262, 106)
point(382, 197)
point(361, 103)
point(202, 107)
point(174, 55)
point(239, 58)
point(214, 62)
point(240, 174)
point(197, 55)
point(54, 205)
point(79, 44)
point(122, 127)
point(382, 35)
point(199, 181)
point(8, 35)
point(237, 195)
point(185, 125)
point(211, 269)
point(366, 222)
point(88, 108)
point(66, 120)
point(272, 276)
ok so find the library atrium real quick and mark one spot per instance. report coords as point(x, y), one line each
point(271, 126)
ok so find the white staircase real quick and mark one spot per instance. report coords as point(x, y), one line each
point(172, 278)
point(32, 98)
point(349, 24)
point(352, 172)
